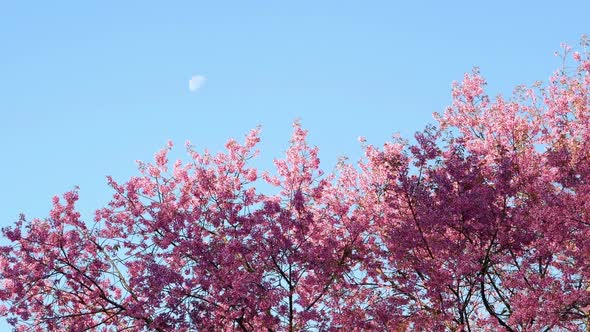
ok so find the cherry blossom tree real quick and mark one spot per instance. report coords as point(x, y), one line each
point(482, 224)
point(479, 223)
point(192, 247)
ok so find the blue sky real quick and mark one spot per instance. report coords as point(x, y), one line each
point(88, 88)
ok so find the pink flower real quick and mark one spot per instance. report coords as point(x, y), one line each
point(577, 56)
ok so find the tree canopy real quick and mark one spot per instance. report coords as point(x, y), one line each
point(480, 223)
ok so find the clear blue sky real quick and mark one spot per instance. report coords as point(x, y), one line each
point(88, 88)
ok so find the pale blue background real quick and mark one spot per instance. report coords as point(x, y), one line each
point(86, 88)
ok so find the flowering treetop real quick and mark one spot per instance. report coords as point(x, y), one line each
point(480, 224)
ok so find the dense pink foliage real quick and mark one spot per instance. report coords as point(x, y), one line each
point(482, 224)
